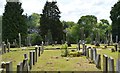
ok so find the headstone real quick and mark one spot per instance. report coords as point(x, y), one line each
point(115, 47)
point(25, 66)
point(3, 47)
point(78, 46)
point(9, 67)
point(105, 63)
point(94, 54)
point(98, 61)
point(116, 38)
point(119, 45)
point(111, 65)
point(36, 53)
point(31, 59)
point(91, 54)
point(19, 67)
point(39, 51)
point(87, 52)
point(19, 40)
point(42, 48)
point(83, 49)
point(8, 46)
point(118, 66)
point(15, 43)
point(1, 70)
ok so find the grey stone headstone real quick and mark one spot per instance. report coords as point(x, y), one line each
point(118, 66)
point(91, 54)
point(39, 51)
point(87, 52)
point(36, 53)
point(98, 61)
point(9, 67)
point(8, 46)
point(19, 67)
point(3, 47)
point(31, 59)
point(25, 66)
point(105, 63)
point(94, 54)
point(42, 48)
point(111, 65)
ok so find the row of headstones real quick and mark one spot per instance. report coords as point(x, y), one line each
point(24, 66)
point(5, 48)
point(108, 62)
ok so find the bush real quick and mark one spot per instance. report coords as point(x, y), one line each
point(75, 54)
point(64, 50)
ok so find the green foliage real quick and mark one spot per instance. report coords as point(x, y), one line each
point(64, 50)
point(75, 54)
point(115, 17)
point(13, 22)
point(50, 20)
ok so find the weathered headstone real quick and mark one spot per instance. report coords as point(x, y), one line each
point(78, 46)
point(25, 56)
point(39, 51)
point(9, 67)
point(19, 40)
point(87, 52)
point(25, 66)
point(94, 54)
point(31, 59)
point(116, 38)
point(111, 65)
point(19, 67)
point(91, 54)
point(3, 47)
point(8, 46)
point(105, 63)
point(118, 66)
point(36, 53)
point(98, 61)
point(42, 47)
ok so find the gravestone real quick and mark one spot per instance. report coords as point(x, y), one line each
point(119, 46)
point(19, 40)
point(19, 67)
point(98, 61)
point(111, 65)
point(105, 63)
point(115, 47)
point(116, 38)
point(118, 66)
point(78, 46)
point(87, 52)
point(31, 59)
point(3, 47)
point(8, 46)
point(25, 66)
point(39, 51)
point(91, 54)
point(42, 48)
point(94, 54)
point(9, 67)
point(36, 53)
point(83, 49)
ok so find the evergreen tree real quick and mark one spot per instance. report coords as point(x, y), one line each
point(115, 17)
point(50, 21)
point(13, 22)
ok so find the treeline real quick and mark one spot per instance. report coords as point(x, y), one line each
point(48, 27)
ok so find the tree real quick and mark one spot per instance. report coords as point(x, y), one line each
point(115, 17)
point(50, 20)
point(13, 22)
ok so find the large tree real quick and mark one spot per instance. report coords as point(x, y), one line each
point(13, 22)
point(50, 21)
point(115, 17)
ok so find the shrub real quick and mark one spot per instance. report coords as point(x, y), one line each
point(64, 50)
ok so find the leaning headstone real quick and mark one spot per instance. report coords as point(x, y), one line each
point(8, 46)
point(91, 54)
point(39, 51)
point(25, 66)
point(105, 63)
point(111, 65)
point(36, 53)
point(9, 67)
point(19, 67)
point(98, 61)
point(31, 59)
point(19, 40)
point(94, 54)
point(118, 66)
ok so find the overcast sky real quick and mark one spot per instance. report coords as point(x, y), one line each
point(71, 10)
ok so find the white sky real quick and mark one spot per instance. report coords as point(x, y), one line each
point(71, 10)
